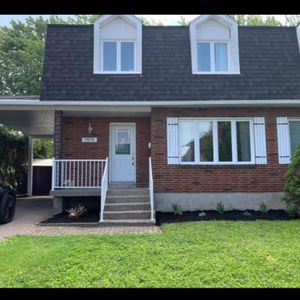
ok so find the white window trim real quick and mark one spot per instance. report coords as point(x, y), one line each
point(212, 56)
point(233, 44)
point(118, 71)
point(289, 137)
point(215, 142)
point(101, 21)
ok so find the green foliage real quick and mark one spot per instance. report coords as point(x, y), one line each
point(263, 208)
point(13, 156)
point(22, 52)
point(219, 254)
point(202, 214)
point(247, 214)
point(183, 21)
point(220, 207)
point(256, 20)
point(151, 22)
point(292, 185)
point(177, 209)
point(43, 148)
point(292, 20)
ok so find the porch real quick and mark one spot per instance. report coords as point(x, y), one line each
point(120, 203)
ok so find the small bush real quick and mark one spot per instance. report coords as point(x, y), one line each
point(264, 208)
point(292, 185)
point(247, 214)
point(177, 209)
point(202, 214)
point(220, 207)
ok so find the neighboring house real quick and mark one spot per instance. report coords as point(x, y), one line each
point(215, 105)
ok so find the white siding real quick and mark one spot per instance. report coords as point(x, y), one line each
point(118, 29)
point(260, 140)
point(172, 141)
point(283, 140)
point(212, 30)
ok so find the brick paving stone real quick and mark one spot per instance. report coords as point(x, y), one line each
point(32, 210)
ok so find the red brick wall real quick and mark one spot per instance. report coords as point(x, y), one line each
point(256, 178)
point(74, 128)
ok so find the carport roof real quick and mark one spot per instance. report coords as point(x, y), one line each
point(30, 122)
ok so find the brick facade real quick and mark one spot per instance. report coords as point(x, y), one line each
point(176, 178)
point(58, 133)
point(74, 128)
point(254, 178)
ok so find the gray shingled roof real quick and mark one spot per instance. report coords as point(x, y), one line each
point(269, 64)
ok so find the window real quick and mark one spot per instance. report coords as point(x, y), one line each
point(212, 57)
point(109, 56)
point(204, 57)
point(118, 56)
point(294, 126)
point(187, 141)
point(218, 141)
point(122, 142)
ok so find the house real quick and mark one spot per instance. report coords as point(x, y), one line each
point(151, 116)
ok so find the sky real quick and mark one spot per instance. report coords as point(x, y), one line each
point(166, 19)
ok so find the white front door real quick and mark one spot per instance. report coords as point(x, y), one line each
point(122, 153)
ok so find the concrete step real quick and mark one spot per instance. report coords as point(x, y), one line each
point(128, 192)
point(127, 199)
point(126, 206)
point(127, 222)
point(129, 214)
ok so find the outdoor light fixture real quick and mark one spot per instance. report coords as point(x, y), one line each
point(90, 128)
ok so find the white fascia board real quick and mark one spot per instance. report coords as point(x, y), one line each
point(298, 35)
point(12, 104)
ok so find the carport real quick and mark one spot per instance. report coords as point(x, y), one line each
point(25, 115)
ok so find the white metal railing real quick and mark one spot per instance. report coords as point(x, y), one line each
point(104, 188)
point(151, 189)
point(77, 173)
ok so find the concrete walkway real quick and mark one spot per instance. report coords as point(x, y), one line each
point(32, 210)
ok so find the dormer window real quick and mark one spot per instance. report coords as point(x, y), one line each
point(214, 45)
point(118, 45)
point(212, 56)
point(118, 56)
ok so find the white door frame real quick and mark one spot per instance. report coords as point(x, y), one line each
point(111, 124)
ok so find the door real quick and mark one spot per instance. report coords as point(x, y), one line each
point(122, 153)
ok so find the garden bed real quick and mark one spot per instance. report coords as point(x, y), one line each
point(233, 215)
point(91, 216)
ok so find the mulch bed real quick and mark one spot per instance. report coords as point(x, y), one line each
point(234, 215)
point(91, 216)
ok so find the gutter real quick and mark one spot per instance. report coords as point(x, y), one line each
point(9, 104)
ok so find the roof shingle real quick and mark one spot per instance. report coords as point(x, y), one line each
point(269, 65)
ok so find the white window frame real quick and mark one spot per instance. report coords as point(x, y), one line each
point(212, 56)
point(295, 120)
point(215, 142)
point(118, 71)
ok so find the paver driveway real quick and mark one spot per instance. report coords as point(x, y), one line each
point(32, 210)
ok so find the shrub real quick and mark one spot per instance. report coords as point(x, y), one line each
point(263, 208)
point(247, 214)
point(202, 214)
point(292, 185)
point(177, 209)
point(220, 207)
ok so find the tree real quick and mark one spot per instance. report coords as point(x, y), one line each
point(43, 148)
point(22, 52)
point(256, 20)
point(292, 20)
point(13, 153)
point(183, 21)
point(151, 22)
point(292, 185)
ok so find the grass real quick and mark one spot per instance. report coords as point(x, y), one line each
point(193, 254)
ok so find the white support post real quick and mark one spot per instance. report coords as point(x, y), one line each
point(30, 169)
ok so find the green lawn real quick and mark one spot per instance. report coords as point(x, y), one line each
point(195, 254)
